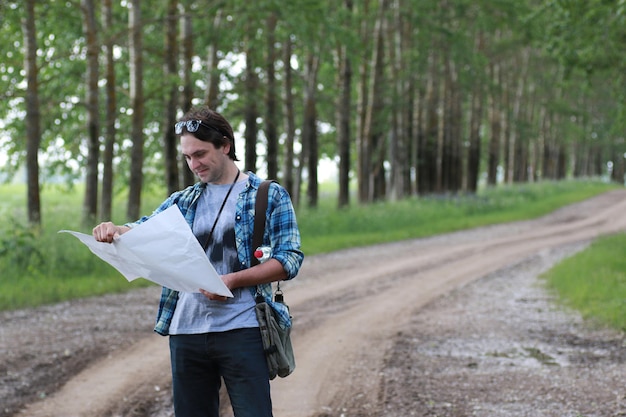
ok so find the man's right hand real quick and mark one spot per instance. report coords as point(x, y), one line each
point(107, 231)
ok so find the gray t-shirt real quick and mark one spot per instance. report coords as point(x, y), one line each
point(194, 312)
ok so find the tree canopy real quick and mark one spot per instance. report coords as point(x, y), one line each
point(407, 97)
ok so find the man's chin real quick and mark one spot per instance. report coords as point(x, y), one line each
point(203, 176)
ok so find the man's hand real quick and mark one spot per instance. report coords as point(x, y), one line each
point(107, 231)
point(228, 281)
point(212, 296)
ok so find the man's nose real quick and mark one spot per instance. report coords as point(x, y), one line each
point(193, 163)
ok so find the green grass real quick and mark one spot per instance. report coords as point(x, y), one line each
point(41, 266)
point(594, 281)
point(326, 229)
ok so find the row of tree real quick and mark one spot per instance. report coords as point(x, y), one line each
point(407, 96)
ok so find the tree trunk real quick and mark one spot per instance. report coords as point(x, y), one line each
point(110, 117)
point(562, 162)
point(427, 147)
point(550, 154)
point(598, 168)
point(520, 172)
point(418, 116)
point(619, 162)
point(309, 128)
point(290, 123)
point(518, 159)
point(213, 78)
point(137, 104)
point(476, 116)
point(495, 123)
point(33, 115)
point(506, 125)
point(170, 70)
point(362, 135)
point(375, 124)
point(251, 111)
point(343, 116)
point(451, 162)
point(541, 140)
point(399, 132)
point(552, 149)
point(187, 53)
point(531, 140)
point(271, 100)
point(90, 202)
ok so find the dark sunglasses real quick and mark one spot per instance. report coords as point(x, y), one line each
point(193, 126)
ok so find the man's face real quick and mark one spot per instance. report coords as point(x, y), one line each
point(204, 159)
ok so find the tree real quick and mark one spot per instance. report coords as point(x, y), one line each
point(427, 167)
point(90, 202)
point(251, 108)
point(271, 98)
point(110, 117)
point(344, 114)
point(475, 122)
point(33, 128)
point(289, 182)
point(374, 149)
point(211, 97)
point(135, 27)
point(186, 96)
point(309, 128)
point(170, 72)
point(495, 122)
point(409, 97)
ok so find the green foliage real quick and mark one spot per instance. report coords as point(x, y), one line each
point(18, 246)
point(43, 266)
point(569, 31)
point(587, 37)
point(594, 281)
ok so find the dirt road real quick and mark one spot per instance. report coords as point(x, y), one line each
point(349, 307)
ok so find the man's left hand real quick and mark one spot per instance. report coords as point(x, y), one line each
point(212, 296)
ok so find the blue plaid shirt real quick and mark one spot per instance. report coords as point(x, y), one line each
point(281, 234)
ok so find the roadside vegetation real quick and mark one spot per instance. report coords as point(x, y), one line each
point(594, 281)
point(42, 266)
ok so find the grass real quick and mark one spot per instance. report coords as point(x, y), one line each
point(594, 281)
point(326, 229)
point(41, 266)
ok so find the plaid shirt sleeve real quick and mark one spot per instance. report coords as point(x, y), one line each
point(281, 235)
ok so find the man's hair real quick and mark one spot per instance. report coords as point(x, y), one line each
point(219, 132)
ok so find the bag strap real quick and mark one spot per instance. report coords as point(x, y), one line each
point(260, 208)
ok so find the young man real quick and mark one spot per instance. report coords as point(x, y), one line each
point(211, 336)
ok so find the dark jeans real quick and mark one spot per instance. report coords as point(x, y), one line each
point(198, 362)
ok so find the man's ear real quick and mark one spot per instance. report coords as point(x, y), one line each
point(226, 148)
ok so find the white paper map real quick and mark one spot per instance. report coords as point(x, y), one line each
point(162, 250)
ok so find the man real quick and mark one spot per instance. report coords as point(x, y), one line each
point(211, 336)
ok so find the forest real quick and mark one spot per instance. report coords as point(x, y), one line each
point(406, 97)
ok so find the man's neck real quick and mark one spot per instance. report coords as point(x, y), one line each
point(231, 172)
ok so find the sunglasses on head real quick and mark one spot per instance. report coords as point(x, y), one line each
point(192, 126)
